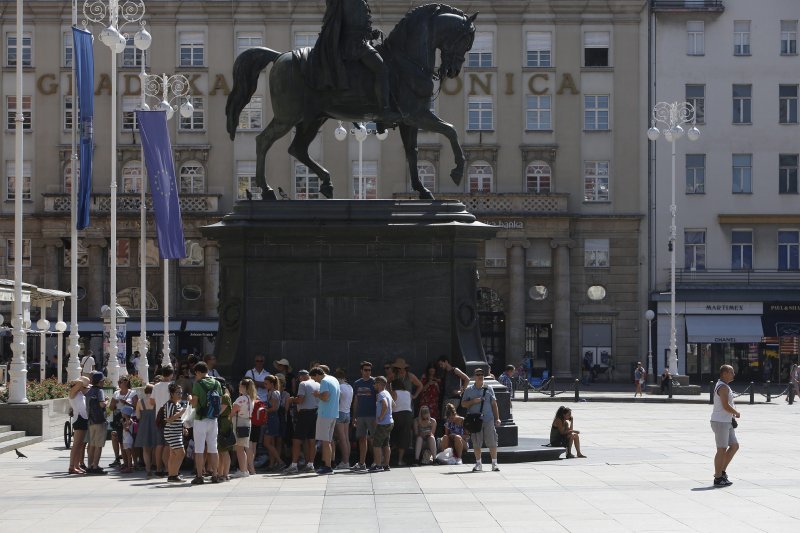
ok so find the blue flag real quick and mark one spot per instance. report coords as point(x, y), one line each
point(161, 171)
point(84, 80)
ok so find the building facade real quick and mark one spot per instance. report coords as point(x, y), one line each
point(549, 109)
point(738, 231)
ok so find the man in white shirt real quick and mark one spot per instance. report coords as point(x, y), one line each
point(306, 428)
point(258, 374)
point(722, 420)
point(87, 364)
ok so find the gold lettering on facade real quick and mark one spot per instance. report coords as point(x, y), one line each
point(532, 83)
point(132, 90)
point(104, 85)
point(457, 89)
point(220, 84)
point(47, 84)
point(509, 83)
point(567, 83)
point(485, 85)
point(193, 90)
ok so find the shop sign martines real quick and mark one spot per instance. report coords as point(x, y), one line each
point(723, 308)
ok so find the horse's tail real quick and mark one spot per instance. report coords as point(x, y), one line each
point(246, 70)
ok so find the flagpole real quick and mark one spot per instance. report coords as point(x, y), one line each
point(144, 367)
point(165, 360)
point(18, 370)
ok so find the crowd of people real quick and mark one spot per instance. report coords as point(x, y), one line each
point(283, 422)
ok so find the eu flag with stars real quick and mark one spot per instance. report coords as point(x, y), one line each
point(84, 81)
point(161, 171)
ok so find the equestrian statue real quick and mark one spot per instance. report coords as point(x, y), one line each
point(347, 77)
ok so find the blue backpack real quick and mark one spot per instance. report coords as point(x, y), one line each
point(213, 405)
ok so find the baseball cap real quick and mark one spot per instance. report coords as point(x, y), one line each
point(303, 372)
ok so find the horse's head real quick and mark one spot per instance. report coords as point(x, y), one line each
point(454, 42)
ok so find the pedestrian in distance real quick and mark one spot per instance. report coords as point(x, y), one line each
point(480, 399)
point(563, 434)
point(723, 423)
point(639, 378)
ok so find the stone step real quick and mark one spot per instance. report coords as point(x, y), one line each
point(6, 436)
point(682, 390)
point(4, 429)
point(20, 442)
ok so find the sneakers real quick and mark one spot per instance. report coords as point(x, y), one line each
point(291, 469)
point(240, 474)
point(477, 468)
point(386, 468)
point(116, 463)
point(359, 467)
point(309, 467)
point(175, 479)
point(198, 480)
point(343, 466)
point(495, 468)
point(217, 479)
point(96, 471)
point(722, 482)
point(260, 461)
point(324, 471)
point(376, 468)
point(458, 461)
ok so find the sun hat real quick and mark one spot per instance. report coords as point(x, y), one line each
point(282, 362)
point(400, 363)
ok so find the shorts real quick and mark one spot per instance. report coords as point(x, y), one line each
point(344, 418)
point(256, 433)
point(324, 429)
point(724, 434)
point(205, 435)
point(306, 424)
point(97, 435)
point(80, 424)
point(173, 434)
point(381, 437)
point(486, 437)
point(365, 426)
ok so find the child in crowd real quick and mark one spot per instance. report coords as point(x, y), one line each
point(242, 411)
point(128, 432)
point(424, 428)
point(454, 432)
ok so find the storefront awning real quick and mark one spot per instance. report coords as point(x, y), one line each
point(200, 328)
point(724, 328)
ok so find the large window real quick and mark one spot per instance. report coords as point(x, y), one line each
point(539, 52)
point(742, 101)
point(304, 39)
point(246, 40)
point(787, 173)
point(250, 118)
point(480, 56)
point(595, 253)
point(788, 250)
point(495, 253)
point(538, 114)
point(741, 37)
point(197, 121)
point(26, 252)
point(306, 183)
point(11, 113)
point(192, 178)
point(68, 113)
point(595, 181)
point(788, 37)
point(192, 49)
point(694, 249)
point(695, 32)
point(595, 48)
point(129, 106)
point(13, 52)
point(427, 174)
point(742, 249)
point(695, 173)
point(132, 56)
point(480, 177)
point(538, 177)
point(365, 186)
point(11, 180)
point(67, 45)
point(132, 177)
point(787, 104)
point(245, 178)
point(696, 95)
point(595, 112)
point(742, 173)
point(481, 113)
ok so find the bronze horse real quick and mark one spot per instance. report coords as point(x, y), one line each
point(410, 55)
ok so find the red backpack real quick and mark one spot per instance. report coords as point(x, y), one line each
point(259, 414)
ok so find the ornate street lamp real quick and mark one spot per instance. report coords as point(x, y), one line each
point(672, 117)
point(360, 132)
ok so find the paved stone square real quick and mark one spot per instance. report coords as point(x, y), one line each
point(649, 468)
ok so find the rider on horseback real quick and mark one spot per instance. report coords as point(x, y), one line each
point(345, 36)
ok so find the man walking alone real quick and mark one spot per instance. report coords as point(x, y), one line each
point(722, 423)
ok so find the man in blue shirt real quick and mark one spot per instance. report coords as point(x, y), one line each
point(475, 395)
point(327, 414)
point(363, 412)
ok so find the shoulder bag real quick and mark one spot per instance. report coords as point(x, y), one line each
point(473, 422)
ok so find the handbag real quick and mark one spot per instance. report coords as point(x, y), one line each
point(734, 423)
point(242, 432)
point(473, 422)
point(227, 439)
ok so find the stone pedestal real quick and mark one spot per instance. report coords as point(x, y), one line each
point(346, 280)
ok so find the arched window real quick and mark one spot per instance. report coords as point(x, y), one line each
point(132, 177)
point(538, 177)
point(480, 177)
point(192, 178)
point(427, 174)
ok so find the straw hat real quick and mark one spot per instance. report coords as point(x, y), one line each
point(282, 362)
point(400, 363)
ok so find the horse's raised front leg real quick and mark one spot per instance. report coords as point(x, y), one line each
point(304, 135)
point(409, 136)
point(430, 122)
point(274, 131)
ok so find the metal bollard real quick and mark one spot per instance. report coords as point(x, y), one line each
point(711, 392)
point(669, 388)
point(790, 395)
point(552, 387)
point(752, 393)
point(525, 392)
point(769, 393)
point(577, 390)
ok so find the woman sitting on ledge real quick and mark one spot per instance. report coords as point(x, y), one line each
point(562, 434)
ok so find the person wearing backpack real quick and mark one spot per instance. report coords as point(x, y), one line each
point(207, 403)
point(96, 407)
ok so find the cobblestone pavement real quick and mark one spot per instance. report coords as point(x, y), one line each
point(649, 468)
